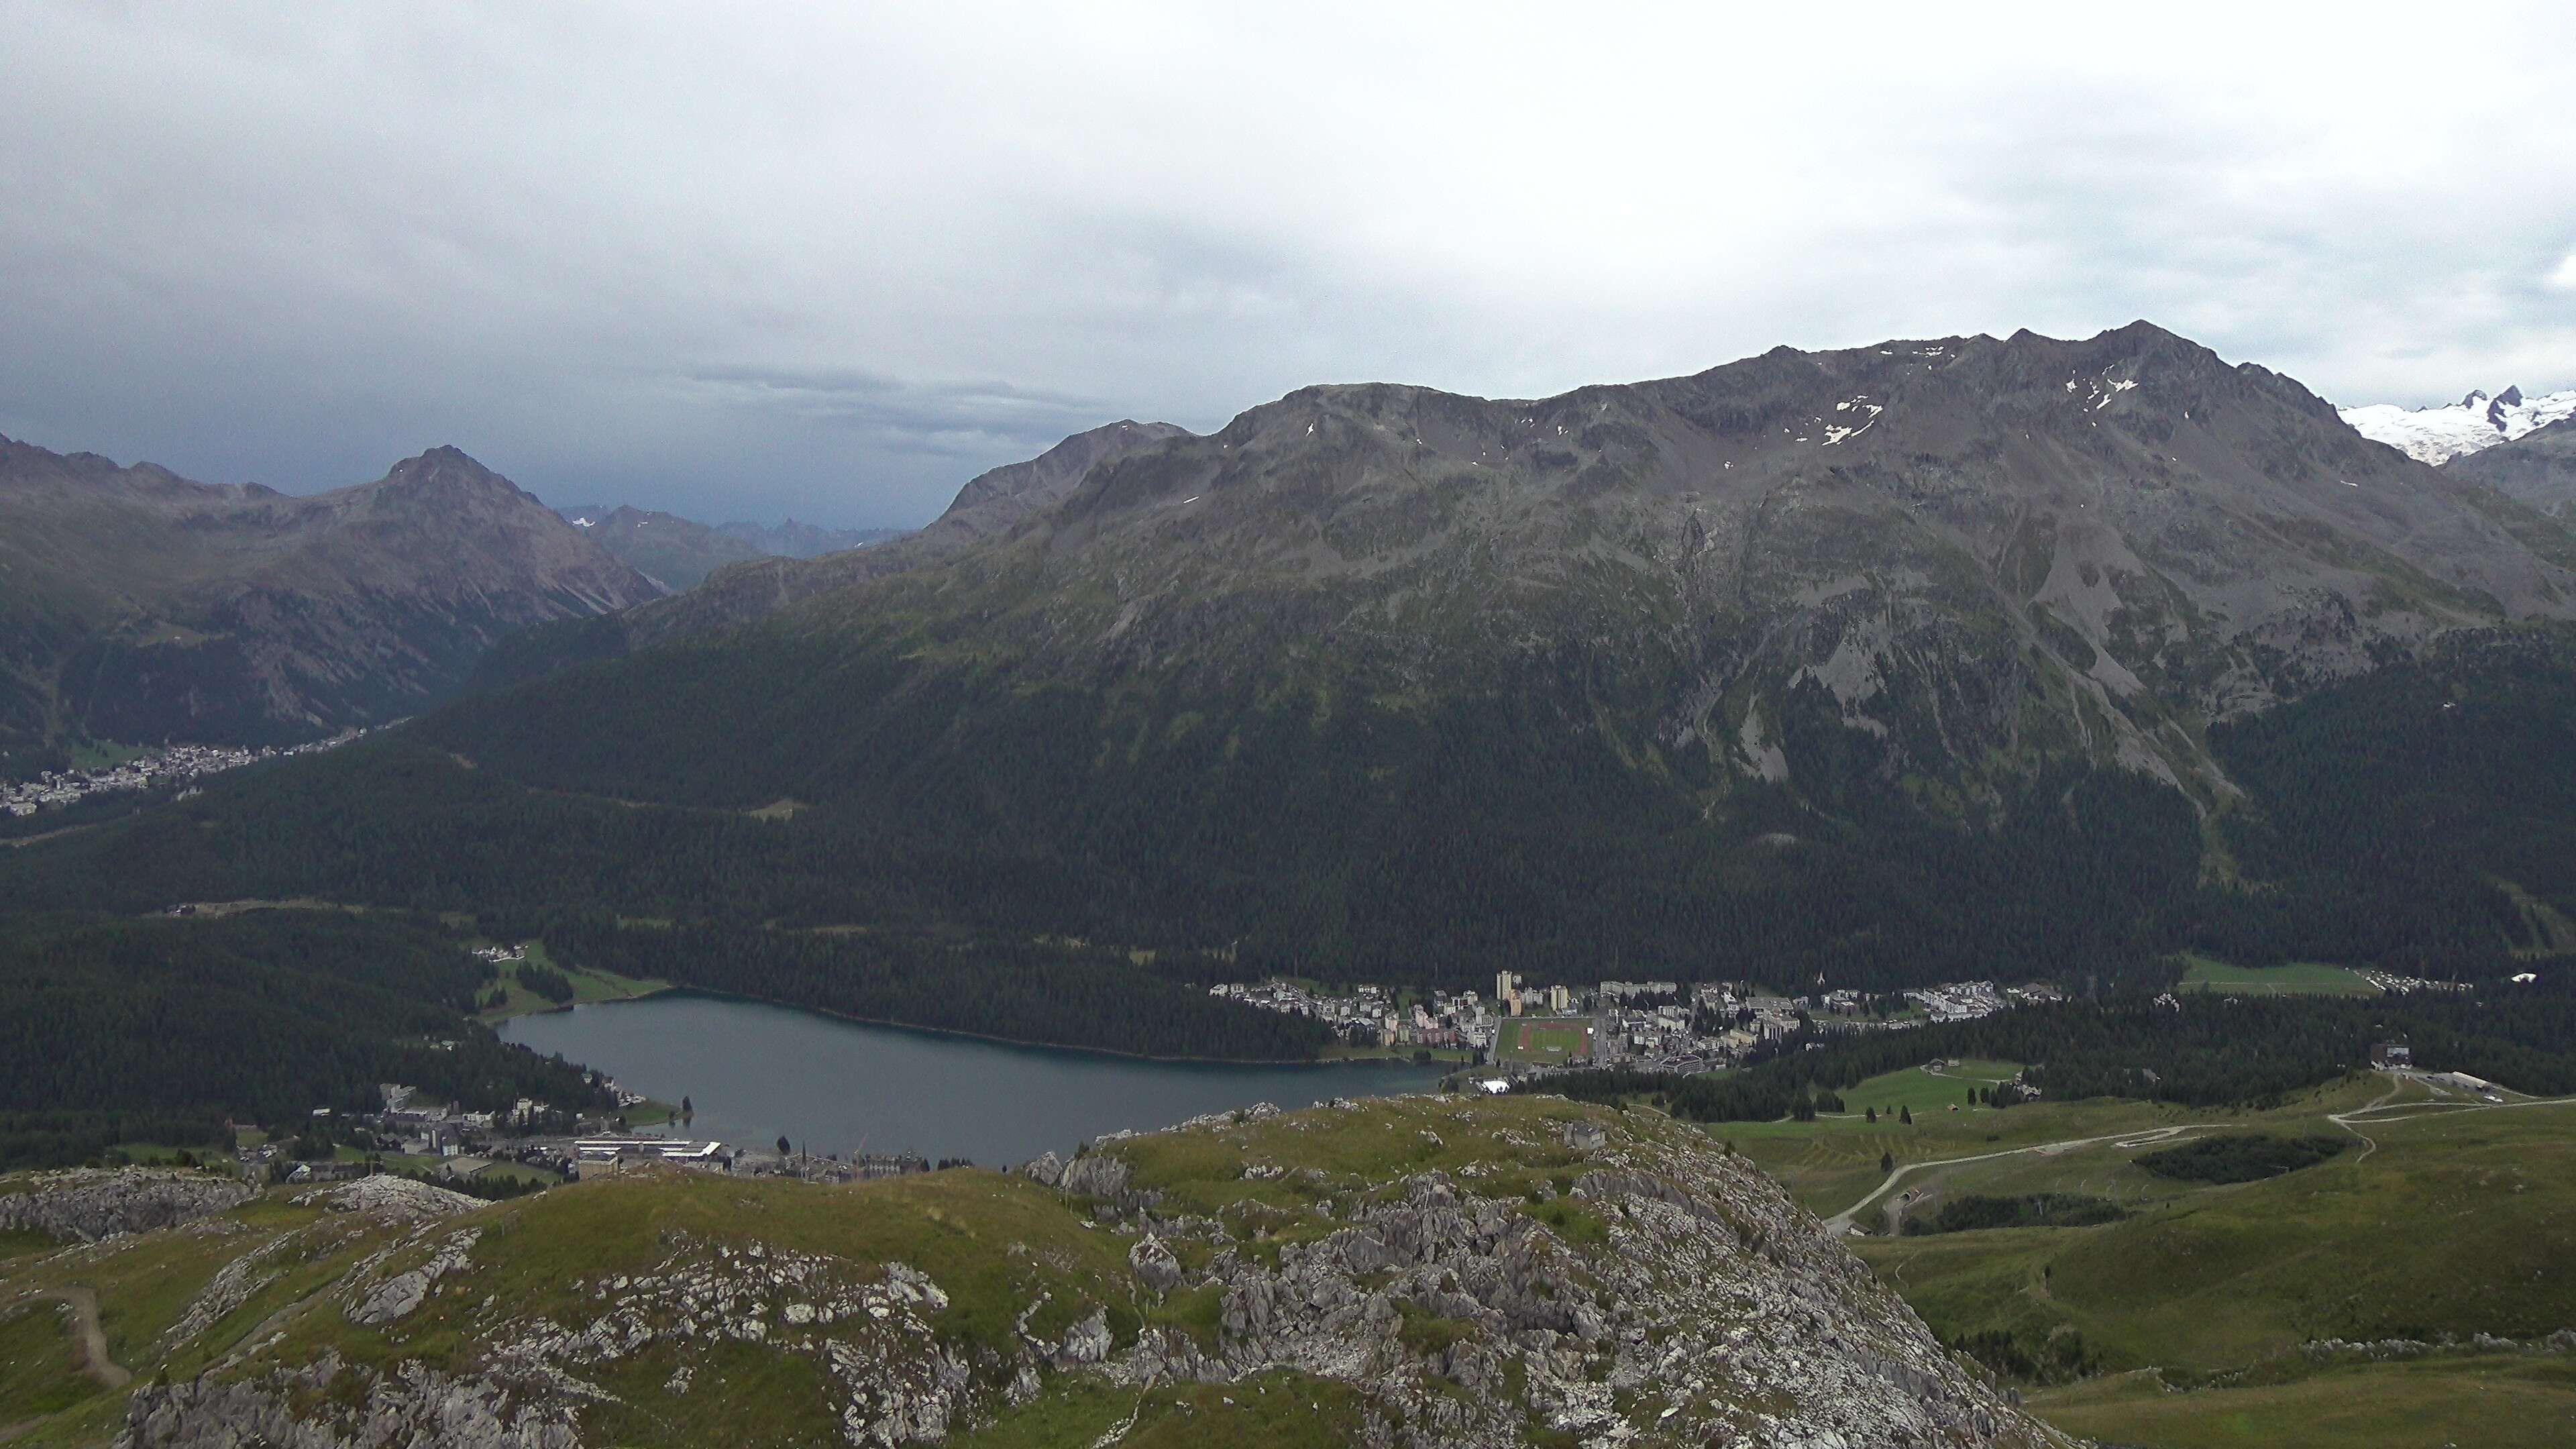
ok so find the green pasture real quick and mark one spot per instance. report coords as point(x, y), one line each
point(2494, 1401)
point(2455, 1225)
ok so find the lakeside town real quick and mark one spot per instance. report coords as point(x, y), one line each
point(1656, 1026)
point(178, 765)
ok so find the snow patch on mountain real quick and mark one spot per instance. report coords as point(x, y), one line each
point(2473, 424)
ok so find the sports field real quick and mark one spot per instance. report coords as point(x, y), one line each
point(1545, 1039)
point(2299, 978)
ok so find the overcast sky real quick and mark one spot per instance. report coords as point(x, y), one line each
point(832, 262)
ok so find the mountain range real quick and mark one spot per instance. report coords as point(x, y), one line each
point(677, 553)
point(138, 606)
point(1977, 551)
point(1930, 659)
point(2473, 424)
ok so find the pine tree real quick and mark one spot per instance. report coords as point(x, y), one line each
point(1873, 1114)
point(1886, 1162)
point(1905, 1115)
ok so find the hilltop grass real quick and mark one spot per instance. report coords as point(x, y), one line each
point(996, 1242)
point(1370, 1142)
point(2300, 978)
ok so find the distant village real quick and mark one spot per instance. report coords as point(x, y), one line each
point(1658, 1026)
point(175, 765)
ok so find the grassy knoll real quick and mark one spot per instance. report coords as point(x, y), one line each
point(1545, 1039)
point(1001, 1245)
point(2495, 1401)
point(2454, 1225)
point(587, 986)
point(1833, 1161)
point(2300, 978)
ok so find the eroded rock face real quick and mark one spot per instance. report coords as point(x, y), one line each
point(85, 1204)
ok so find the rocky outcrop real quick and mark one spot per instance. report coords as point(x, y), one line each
point(396, 1199)
point(1095, 1174)
point(1645, 1286)
point(85, 1204)
point(329, 1405)
point(1154, 1265)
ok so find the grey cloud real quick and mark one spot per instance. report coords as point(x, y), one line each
point(834, 260)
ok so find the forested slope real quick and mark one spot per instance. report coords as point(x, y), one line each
point(160, 1030)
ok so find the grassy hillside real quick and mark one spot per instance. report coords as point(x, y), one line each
point(1437, 1272)
point(2442, 1222)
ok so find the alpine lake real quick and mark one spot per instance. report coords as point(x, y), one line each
point(754, 1072)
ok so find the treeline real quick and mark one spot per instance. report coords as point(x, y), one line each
point(1029, 991)
point(161, 1029)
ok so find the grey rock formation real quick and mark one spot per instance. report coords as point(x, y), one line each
point(85, 1204)
point(1095, 1174)
point(1154, 1265)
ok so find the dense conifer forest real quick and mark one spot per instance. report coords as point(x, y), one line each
point(1415, 846)
point(159, 1030)
point(935, 855)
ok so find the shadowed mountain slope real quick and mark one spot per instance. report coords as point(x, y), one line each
point(2538, 468)
point(136, 605)
point(1889, 665)
point(990, 504)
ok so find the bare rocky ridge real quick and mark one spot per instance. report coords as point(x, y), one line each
point(136, 605)
point(1669, 1294)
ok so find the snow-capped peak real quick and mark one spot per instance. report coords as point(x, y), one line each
point(2473, 424)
